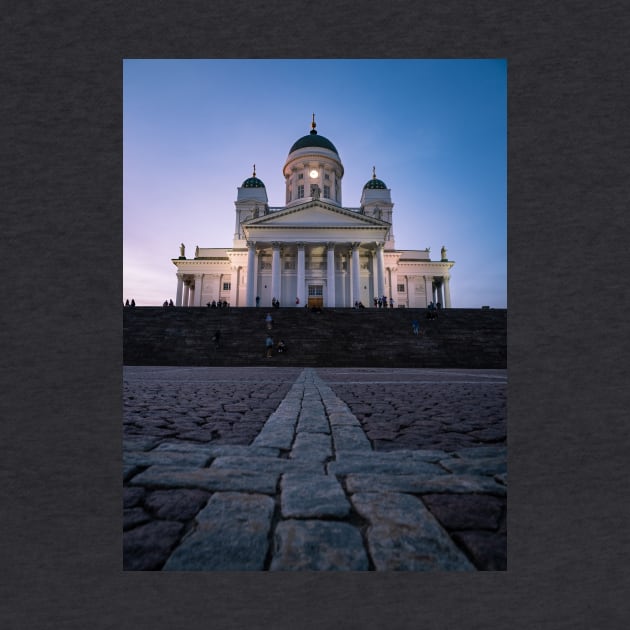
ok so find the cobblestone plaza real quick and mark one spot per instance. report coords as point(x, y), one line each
point(314, 469)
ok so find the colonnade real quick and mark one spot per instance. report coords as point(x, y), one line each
point(351, 249)
point(189, 286)
point(441, 292)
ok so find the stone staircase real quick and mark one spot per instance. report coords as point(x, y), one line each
point(458, 338)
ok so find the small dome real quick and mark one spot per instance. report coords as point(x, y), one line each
point(253, 182)
point(374, 182)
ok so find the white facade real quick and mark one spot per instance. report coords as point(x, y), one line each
point(312, 250)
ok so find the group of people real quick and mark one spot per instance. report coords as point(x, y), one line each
point(269, 342)
point(382, 302)
point(168, 303)
point(274, 303)
point(218, 304)
point(130, 304)
point(432, 310)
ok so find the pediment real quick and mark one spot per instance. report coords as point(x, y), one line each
point(315, 214)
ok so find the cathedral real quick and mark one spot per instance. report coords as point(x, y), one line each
point(312, 251)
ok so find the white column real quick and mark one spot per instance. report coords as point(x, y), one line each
point(198, 288)
point(186, 293)
point(344, 276)
point(330, 272)
point(447, 292)
point(275, 271)
point(301, 275)
point(234, 286)
point(356, 274)
point(428, 289)
point(440, 290)
point(380, 269)
point(251, 280)
point(180, 287)
point(374, 277)
point(256, 272)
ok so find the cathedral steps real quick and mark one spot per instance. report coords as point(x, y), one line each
point(458, 338)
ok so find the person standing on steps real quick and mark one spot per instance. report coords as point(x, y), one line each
point(269, 321)
point(216, 338)
point(269, 345)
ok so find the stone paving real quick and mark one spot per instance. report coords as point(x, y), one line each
point(314, 469)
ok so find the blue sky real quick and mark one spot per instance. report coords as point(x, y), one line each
point(436, 130)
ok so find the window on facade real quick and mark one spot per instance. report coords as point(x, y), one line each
point(227, 286)
point(327, 192)
point(401, 288)
point(300, 191)
point(326, 176)
point(315, 290)
point(300, 175)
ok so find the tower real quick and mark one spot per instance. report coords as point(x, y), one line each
point(376, 201)
point(313, 169)
point(251, 202)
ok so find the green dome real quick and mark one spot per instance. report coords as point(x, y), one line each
point(313, 140)
point(375, 183)
point(253, 182)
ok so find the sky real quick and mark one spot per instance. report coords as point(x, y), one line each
point(436, 131)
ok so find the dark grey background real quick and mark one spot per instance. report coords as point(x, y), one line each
point(61, 176)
